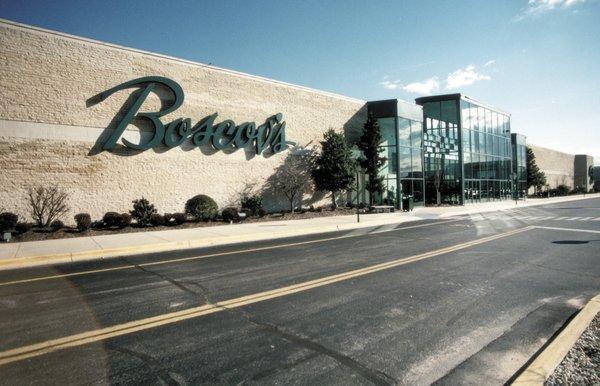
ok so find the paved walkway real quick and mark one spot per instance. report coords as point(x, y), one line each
point(30, 253)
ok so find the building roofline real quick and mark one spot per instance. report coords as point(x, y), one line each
point(441, 97)
point(14, 24)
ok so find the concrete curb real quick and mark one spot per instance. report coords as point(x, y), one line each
point(546, 362)
point(96, 254)
point(72, 257)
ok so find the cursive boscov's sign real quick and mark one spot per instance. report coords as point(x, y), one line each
point(223, 135)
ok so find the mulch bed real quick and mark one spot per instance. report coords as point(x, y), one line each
point(47, 234)
point(581, 366)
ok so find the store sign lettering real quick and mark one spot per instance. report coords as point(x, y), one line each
point(222, 135)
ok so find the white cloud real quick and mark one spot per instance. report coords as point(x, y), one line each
point(425, 87)
point(464, 77)
point(390, 84)
point(538, 7)
point(489, 63)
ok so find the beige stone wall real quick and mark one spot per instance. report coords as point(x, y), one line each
point(48, 132)
point(559, 167)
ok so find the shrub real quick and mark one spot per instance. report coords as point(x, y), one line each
point(202, 208)
point(83, 221)
point(562, 190)
point(57, 225)
point(112, 219)
point(22, 227)
point(157, 219)
point(251, 204)
point(47, 204)
point(179, 218)
point(142, 211)
point(262, 212)
point(98, 224)
point(230, 214)
point(8, 221)
point(174, 218)
point(125, 220)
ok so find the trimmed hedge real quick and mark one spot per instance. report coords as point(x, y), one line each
point(57, 225)
point(83, 221)
point(230, 214)
point(157, 219)
point(8, 221)
point(202, 208)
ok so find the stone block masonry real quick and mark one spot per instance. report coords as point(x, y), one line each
point(49, 130)
point(558, 166)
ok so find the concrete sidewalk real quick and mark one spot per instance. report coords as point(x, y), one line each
point(26, 254)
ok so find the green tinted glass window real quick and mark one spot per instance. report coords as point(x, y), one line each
point(405, 162)
point(388, 131)
point(404, 131)
point(417, 163)
point(416, 133)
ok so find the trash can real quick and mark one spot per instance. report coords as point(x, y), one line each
point(408, 203)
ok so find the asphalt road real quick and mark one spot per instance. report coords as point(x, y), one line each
point(461, 300)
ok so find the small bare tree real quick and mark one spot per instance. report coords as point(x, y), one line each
point(292, 178)
point(47, 204)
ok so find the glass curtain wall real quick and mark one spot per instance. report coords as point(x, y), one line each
point(390, 168)
point(519, 160)
point(410, 140)
point(404, 167)
point(487, 153)
point(468, 154)
point(402, 146)
point(442, 152)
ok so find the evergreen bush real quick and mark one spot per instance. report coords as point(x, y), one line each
point(334, 166)
point(230, 214)
point(202, 208)
point(8, 221)
point(83, 221)
point(125, 220)
point(157, 219)
point(112, 219)
point(142, 211)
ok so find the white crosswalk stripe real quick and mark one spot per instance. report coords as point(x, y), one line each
point(527, 217)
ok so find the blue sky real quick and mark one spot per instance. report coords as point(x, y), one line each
point(537, 59)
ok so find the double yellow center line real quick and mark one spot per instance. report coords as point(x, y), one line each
point(53, 345)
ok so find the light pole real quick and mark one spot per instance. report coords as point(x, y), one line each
point(515, 188)
point(357, 193)
point(359, 158)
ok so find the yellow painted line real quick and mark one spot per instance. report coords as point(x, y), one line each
point(192, 258)
point(546, 362)
point(49, 346)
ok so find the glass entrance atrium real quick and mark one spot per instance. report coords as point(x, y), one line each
point(468, 153)
point(448, 150)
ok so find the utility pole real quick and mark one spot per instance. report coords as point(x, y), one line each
point(357, 195)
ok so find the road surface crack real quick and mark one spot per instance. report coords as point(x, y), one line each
point(373, 375)
point(154, 365)
point(168, 279)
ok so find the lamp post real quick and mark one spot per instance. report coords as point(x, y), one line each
point(357, 193)
point(515, 188)
point(359, 158)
